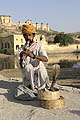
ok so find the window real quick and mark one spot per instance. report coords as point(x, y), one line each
point(5, 45)
point(17, 47)
point(41, 38)
point(3, 20)
point(17, 39)
point(9, 20)
point(22, 40)
point(8, 45)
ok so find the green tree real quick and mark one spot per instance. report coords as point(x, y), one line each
point(79, 36)
point(63, 39)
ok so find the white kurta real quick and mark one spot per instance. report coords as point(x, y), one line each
point(34, 72)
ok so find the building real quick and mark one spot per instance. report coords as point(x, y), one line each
point(36, 25)
point(5, 19)
point(10, 44)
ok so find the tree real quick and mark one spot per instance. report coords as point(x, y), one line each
point(63, 39)
point(79, 36)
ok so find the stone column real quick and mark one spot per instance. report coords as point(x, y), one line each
point(9, 19)
point(1, 20)
point(47, 26)
point(42, 26)
point(36, 26)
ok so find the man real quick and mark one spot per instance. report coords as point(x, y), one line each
point(31, 55)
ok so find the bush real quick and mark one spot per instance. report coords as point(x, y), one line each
point(63, 39)
point(49, 33)
point(76, 41)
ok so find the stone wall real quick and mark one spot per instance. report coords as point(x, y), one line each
point(56, 58)
point(7, 44)
point(55, 48)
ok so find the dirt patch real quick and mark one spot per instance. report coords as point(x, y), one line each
point(11, 73)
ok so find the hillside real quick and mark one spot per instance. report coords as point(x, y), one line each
point(8, 30)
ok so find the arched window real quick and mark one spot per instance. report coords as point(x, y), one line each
point(22, 40)
point(17, 47)
point(5, 45)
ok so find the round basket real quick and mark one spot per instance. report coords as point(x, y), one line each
point(53, 104)
point(49, 95)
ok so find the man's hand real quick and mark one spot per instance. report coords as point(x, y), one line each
point(30, 54)
point(27, 53)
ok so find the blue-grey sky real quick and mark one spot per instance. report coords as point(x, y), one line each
point(61, 15)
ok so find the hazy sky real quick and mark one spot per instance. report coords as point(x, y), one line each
point(61, 15)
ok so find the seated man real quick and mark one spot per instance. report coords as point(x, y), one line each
point(31, 55)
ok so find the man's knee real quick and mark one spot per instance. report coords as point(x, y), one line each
point(42, 72)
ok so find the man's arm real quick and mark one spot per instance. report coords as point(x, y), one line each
point(30, 54)
point(42, 58)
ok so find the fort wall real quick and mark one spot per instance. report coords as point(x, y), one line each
point(55, 48)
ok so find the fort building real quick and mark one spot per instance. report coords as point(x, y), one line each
point(5, 19)
point(38, 26)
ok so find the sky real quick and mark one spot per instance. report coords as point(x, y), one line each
point(61, 15)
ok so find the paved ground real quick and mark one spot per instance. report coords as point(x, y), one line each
point(12, 109)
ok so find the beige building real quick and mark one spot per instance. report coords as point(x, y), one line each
point(38, 26)
point(41, 26)
point(4, 19)
point(11, 44)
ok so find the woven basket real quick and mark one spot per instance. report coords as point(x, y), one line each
point(49, 95)
point(53, 104)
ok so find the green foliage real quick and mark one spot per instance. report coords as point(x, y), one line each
point(76, 41)
point(48, 33)
point(63, 39)
point(79, 36)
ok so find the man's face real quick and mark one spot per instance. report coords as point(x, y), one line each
point(28, 36)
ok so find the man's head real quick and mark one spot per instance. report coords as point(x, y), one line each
point(28, 32)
